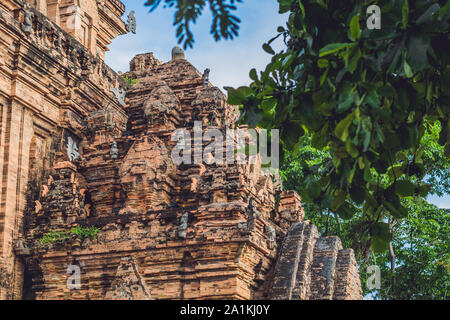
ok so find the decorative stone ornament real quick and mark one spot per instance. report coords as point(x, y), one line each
point(120, 95)
point(177, 54)
point(183, 225)
point(205, 78)
point(114, 151)
point(128, 283)
point(272, 236)
point(27, 23)
point(72, 149)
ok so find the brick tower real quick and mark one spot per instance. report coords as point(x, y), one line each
point(81, 148)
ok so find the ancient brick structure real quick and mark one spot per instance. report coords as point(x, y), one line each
point(79, 147)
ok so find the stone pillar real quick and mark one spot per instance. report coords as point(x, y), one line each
point(290, 206)
point(287, 265)
point(16, 135)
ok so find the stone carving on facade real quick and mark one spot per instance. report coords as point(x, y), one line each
point(21, 248)
point(114, 151)
point(27, 23)
point(272, 236)
point(183, 225)
point(276, 180)
point(128, 284)
point(162, 105)
point(72, 149)
point(224, 207)
point(120, 94)
point(205, 78)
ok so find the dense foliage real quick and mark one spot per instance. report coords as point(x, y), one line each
point(418, 264)
point(366, 97)
point(420, 244)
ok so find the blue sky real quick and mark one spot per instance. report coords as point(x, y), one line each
point(229, 61)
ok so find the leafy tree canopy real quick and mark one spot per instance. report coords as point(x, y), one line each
point(418, 262)
point(364, 97)
point(420, 243)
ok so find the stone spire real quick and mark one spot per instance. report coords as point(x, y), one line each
point(177, 54)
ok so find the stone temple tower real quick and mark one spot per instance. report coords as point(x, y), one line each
point(188, 231)
point(99, 157)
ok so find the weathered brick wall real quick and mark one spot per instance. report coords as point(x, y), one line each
point(93, 23)
point(193, 231)
point(48, 84)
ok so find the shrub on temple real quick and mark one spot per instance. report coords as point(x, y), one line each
point(61, 236)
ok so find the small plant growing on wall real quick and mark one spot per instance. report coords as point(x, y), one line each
point(130, 81)
point(85, 232)
point(58, 236)
point(61, 236)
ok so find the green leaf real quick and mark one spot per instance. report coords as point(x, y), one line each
point(341, 130)
point(254, 116)
point(395, 172)
point(346, 211)
point(346, 103)
point(253, 75)
point(354, 61)
point(333, 48)
point(314, 190)
point(267, 48)
point(322, 63)
point(447, 149)
point(351, 149)
point(396, 210)
point(417, 52)
point(285, 6)
point(355, 28)
point(407, 69)
point(324, 76)
point(404, 188)
point(444, 9)
point(405, 14)
point(338, 200)
point(424, 190)
point(358, 195)
point(291, 133)
point(319, 140)
point(268, 104)
point(237, 96)
point(381, 230)
point(386, 91)
point(379, 245)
